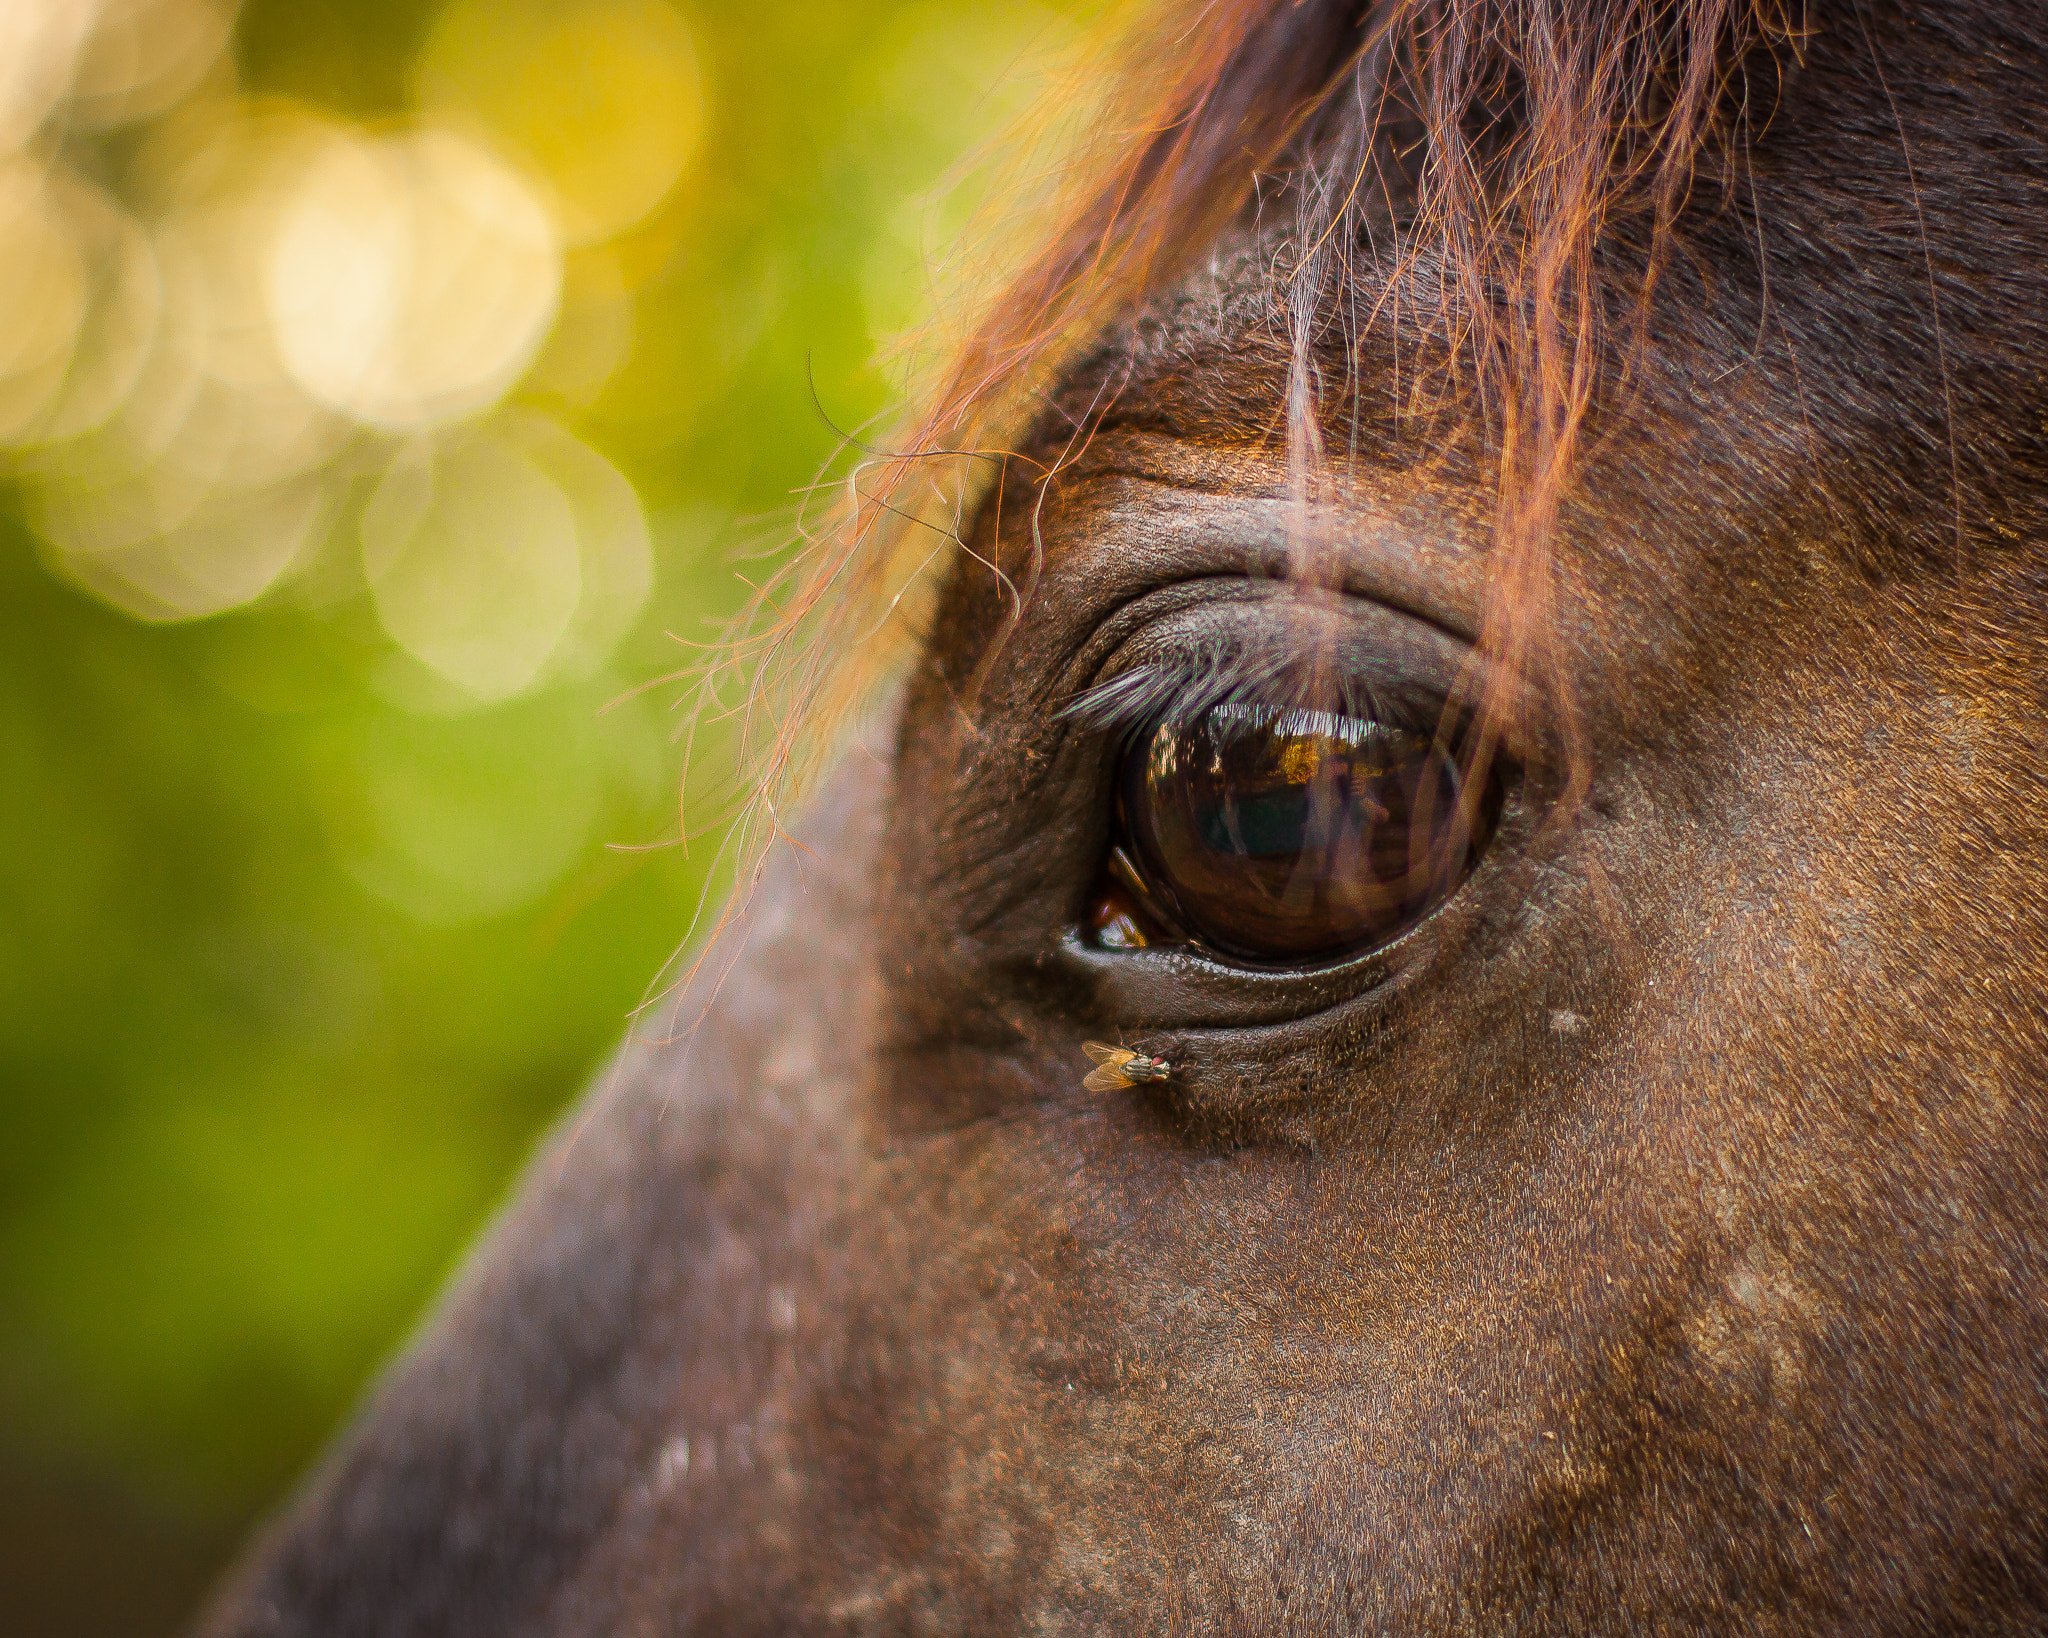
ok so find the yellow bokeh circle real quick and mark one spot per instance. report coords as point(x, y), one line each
point(602, 97)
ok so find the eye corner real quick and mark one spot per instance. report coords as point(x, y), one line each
point(1125, 910)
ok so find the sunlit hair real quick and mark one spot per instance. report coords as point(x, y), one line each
point(1531, 155)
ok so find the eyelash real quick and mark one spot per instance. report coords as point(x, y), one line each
point(1184, 685)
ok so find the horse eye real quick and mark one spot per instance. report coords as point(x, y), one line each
point(1285, 835)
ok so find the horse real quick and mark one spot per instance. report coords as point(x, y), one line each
point(1489, 638)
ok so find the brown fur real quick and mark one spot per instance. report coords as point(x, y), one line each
point(1650, 1241)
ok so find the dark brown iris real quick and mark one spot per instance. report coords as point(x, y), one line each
point(1284, 835)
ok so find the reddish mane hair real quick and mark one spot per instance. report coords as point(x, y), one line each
point(1518, 144)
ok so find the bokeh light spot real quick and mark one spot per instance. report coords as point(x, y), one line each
point(123, 304)
point(178, 472)
point(216, 398)
point(39, 46)
point(412, 279)
point(472, 555)
point(143, 55)
point(162, 550)
point(594, 332)
point(614, 549)
point(43, 289)
point(603, 97)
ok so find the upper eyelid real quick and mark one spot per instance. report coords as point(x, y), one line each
point(1200, 679)
point(1238, 514)
point(1189, 638)
point(1270, 644)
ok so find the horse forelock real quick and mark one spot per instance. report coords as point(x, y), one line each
point(1505, 149)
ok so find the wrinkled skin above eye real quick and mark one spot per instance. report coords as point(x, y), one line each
point(1287, 835)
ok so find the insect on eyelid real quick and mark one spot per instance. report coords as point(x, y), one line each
point(1119, 1067)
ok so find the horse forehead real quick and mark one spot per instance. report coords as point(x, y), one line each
point(1211, 362)
point(1181, 409)
point(1212, 352)
point(1827, 257)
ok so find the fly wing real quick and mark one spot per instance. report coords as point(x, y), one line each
point(1109, 1078)
point(1102, 1053)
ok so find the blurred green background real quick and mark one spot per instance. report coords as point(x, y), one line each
point(389, 392)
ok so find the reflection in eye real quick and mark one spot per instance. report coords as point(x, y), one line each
point(1282, 835)
point(1116, 920)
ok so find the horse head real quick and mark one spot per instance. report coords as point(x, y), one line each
point(1498, 649)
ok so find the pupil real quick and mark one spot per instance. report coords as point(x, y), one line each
point(1294, 833)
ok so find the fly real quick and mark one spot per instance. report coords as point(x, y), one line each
point(1119, 1067)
